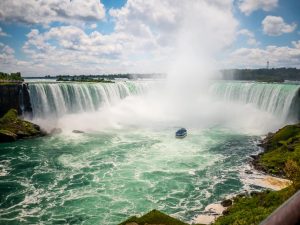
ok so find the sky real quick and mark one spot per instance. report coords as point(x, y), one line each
point(51, 37)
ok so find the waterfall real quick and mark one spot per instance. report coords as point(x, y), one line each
point(278, 99)
point(58, 99)
point(55, 99)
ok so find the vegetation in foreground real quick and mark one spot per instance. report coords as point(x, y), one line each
point(13, 128)
point(281, 157)
point(153, 217)
point(280, 147)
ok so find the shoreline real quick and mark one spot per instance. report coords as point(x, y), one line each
point(267, 170)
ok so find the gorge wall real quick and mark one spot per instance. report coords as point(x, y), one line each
point(15, 96)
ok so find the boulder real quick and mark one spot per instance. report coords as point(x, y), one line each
point(226, 203)
point(55, 131)
point(78, 131)
point(13, 128)
point(7, 136)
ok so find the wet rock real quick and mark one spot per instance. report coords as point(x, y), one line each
point(6, 136)
point(226, 202)
point(248, 172)
point(13, 128)
point(15, 96)
point(55, 131)
point(78, 131)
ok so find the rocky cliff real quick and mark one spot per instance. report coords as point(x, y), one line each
point(15, 96)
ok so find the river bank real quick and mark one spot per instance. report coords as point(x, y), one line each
point(277, 168)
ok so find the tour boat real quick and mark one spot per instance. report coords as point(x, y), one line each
point(181, 133)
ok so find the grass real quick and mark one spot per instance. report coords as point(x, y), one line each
point(253, 210)
point(284, 145)
point(282, 156)
point(153, 217)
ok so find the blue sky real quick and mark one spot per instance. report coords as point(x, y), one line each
point(112, 36)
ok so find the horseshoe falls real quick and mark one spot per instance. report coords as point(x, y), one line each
point(280, 100)
point(58, 99)
point(128, 162)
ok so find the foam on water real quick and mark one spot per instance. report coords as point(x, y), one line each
point(128, 161)
point(104, 177)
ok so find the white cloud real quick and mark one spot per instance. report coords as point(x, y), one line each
point(275, 26)
point(251, 37)
point(147, 37)
point(278, 56)
point(7, 58)
point(45, 12)
point(249, 6)
point(2, 33)
point(93, 26)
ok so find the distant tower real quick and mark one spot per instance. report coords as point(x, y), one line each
point(268, 63)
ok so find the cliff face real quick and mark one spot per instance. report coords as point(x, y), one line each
point(15, 96)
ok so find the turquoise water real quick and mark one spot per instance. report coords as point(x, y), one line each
point(105, 177)
point(129, 162)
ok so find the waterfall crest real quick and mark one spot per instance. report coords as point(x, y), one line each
point(58, 99)
point(277, 99)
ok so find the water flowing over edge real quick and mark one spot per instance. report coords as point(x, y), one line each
point(279, 100)
point(57, 99)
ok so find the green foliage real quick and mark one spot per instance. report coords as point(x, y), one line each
point(264, 75)
point(253, 210)
point(11, 77)
point(83, 79)
point(284, 145)
point(154, 217)
point(14, 127)
point(292, 170)
point(282, 156)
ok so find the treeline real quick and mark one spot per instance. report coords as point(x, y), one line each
point(267, 75)
point(11, 76)
point(109, 76)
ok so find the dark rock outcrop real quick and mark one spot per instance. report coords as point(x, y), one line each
point(13, 128)
point(78, 132)
point(15, 96)
point(226, 202)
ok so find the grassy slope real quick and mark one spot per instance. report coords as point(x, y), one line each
point(280, 147)
point(153, 217)
point(252, 210)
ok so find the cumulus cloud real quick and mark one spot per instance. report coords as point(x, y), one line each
point(278, 56)
point(249, 6)
point(146, 38)
point(45, 12)
point(251, 37)
point(2, 33)
point(275, 26)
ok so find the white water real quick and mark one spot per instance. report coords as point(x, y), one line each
point(276, 99)
point(59, 99)
point(254, 108)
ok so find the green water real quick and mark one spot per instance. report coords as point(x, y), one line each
point(105, 177)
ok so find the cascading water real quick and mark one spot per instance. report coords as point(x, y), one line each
point(110, 172)
point(279, 100)
point(58, 99)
